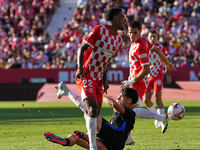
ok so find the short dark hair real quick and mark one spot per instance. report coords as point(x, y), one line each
point(135, 24)
point(153, 31)
point(130, 93)
point(112, 12)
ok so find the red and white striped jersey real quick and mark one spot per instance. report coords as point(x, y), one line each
point(139, 56)
point(104, 46)
point(156, 64)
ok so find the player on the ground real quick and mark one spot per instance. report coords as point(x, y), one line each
point(155, 77)
point(140, 112)
point(111, 136)
point(95, 53)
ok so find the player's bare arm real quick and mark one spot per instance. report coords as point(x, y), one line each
point(168, 74)
point(169, 65)
point(105, 81)
point(116, 106)
point(80, 58)
point(145, 70)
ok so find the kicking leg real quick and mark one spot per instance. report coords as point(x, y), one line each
point(144, 113)
point(63, 90)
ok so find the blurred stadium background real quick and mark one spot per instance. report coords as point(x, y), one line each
point(39, 40)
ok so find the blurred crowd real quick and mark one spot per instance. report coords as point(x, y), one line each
point(22, 36)
point(25, 44)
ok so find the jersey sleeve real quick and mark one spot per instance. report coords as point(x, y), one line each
point(143, 55)
point(120, 45)
point(93, 36)
point(149, 45)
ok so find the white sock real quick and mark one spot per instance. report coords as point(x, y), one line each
point(76, 99)
point(91, 124)
point(152, 108)
point(161, 111)
point(144, 113)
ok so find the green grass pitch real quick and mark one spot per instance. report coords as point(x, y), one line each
point(22, 125)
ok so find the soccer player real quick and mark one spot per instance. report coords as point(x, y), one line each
point(140, 112)
point(111, 136)
point(139, 62)
point(155, 77)
point(94, 55)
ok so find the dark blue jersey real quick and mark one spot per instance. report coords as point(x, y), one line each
point(114, 134)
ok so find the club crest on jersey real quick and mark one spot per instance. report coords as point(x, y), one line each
point(90, 90)
point(143, 55)
point(109, 53)
point(159, 82)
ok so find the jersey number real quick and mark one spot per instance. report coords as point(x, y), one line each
point(87, 83)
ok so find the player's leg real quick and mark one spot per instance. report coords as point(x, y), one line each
point(99, 96)
point(148, 95)
point(144, 113)
point(63, 90)
point(91, 120)
point(160, 105)
point(83, 141)
point(89, 88)
point(78, 138)
point(56, 139)
point(158, 91)
point(160, 109)
point(158, 94)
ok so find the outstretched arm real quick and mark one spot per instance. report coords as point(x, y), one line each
point(116, 107)
point(168, 64)
point(168, 74)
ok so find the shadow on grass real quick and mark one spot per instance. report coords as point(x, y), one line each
point(68, 112)
point(45, 113)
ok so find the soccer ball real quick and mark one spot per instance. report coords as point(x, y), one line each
point(176, 111)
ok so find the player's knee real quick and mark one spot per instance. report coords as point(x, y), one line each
point(72, 139)
point(146, 101)
point(92, 107)
point(93, 111)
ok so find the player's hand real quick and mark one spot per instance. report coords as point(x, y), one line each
point(170, 67)
point(124, 84)
point(80, 74)
point(106, 87)
point(168, 79)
